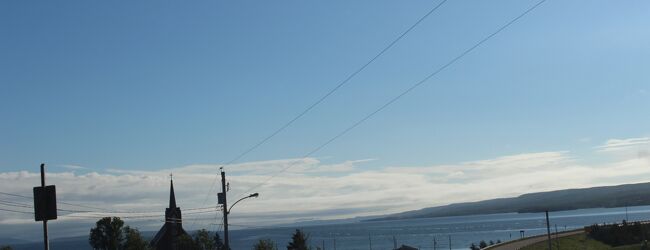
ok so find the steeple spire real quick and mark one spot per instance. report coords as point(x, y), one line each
point(172, 197)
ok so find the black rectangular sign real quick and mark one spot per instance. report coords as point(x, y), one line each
point(221, 198)
point(45, 203)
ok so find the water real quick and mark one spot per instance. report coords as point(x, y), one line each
point(463, 230)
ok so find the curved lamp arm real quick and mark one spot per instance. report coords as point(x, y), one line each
point(250, 196)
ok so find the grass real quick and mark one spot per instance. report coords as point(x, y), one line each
point(579, 242)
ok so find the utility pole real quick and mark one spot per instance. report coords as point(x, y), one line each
point(46, 241)
point(225, 209)
point(370, 241)
point(434, 243)
point(394, 242)
point(449, 242)
point(557, 239)
point(548, 231)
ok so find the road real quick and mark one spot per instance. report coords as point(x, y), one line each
point(514, 245)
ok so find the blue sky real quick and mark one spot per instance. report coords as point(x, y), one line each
point(103, 90)
point(148, 85)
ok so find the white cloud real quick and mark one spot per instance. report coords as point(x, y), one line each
point(308, 191)
point(624, 144)
point(72, 167)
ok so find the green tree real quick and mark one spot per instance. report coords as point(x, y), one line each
point(107, 234)
point(298, 241)
point(473, 247)
point(202, 239)
point(218, 243)
point(265, 244)
point(482, 244)
point(134, 240)
point(186, 242)
point(6, 248)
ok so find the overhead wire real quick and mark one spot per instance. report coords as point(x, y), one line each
point(328, 94)
point(401, 94)
point(15, 211)
point(102, 210)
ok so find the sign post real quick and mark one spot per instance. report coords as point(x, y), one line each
point(45, 205)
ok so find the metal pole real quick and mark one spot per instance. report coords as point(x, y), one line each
point(46, 241)
point(225, 211)
point(557, 239)
point(548, 230)
point(434, 243)
point(394, 242)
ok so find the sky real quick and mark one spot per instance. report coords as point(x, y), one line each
point(114, 96)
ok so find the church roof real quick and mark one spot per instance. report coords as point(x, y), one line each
point(172, 197)
point(167, 236)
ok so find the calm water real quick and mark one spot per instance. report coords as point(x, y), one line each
point(463, 230)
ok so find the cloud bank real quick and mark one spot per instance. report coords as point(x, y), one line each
point(311, 189)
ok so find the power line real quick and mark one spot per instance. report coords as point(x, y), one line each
point(328, 94)
point(90, 216)
point(102, 210)
point(403, 93)
point(15, 211)
point(17, 195)
point(12, 203)
point(337, 87)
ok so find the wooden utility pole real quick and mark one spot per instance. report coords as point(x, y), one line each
point(435, 243)
point(548, 231)
point(557, 239)
point(394, 242)
point(225, 210)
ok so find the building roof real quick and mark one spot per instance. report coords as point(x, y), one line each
point(167, 236)
point(405, 247)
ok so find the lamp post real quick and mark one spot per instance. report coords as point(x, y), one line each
point(225, 218)
point(255, 195)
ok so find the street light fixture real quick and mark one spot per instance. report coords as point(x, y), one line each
point(255, 195)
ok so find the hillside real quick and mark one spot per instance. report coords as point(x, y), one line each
point(569, 199)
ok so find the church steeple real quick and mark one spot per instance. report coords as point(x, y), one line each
point(172, 197)
point(167, 236)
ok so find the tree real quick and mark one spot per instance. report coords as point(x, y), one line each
point(265, 244)
point(218, 243)
point(202, 239)
point(134, 240)
point(107, 234)
point(482, 244)
point(6, 248)
point(186, 242)
point(473, 247)
point(298, 241)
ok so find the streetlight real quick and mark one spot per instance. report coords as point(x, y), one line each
point(255, 195)
point(226, 212)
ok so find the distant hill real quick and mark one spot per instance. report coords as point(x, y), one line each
point(569, 199)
